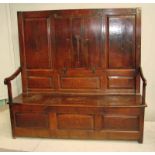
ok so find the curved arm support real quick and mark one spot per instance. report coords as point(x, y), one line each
point(144, 85)
point(7, 81)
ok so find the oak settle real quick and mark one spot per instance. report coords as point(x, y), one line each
point(80, 75)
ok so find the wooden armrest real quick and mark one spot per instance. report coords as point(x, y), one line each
point(144, 85)
point(7, 81)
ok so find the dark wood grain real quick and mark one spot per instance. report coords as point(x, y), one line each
point(121, 41)
point(36, 43)
point(31, 120)
point(80, 100)
point(80, 75)
point(79, 41)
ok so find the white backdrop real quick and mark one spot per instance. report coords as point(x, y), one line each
point(7, 65)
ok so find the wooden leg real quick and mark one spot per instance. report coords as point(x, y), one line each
point(14, 137)
point(140, 141)
point(12, 122)
point(141, 124)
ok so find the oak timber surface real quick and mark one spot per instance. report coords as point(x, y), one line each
point(80, 74)
point(77, 100)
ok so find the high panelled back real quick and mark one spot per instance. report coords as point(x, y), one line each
point(80, 51)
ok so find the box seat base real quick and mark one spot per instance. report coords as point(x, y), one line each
point(78, 116)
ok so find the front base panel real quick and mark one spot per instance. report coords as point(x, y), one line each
point(117, 123)
point(77, 134)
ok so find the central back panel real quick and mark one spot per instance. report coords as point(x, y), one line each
point(86, 51)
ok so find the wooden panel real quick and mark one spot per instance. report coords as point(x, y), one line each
point(75, 121)
point(92, 41)
point(78, 134)
point(32, 132)
point(40, 82)
point(78, 44)
point(100, 39)
point(62, 42)
point(121, 42)
point(37, 49)
point(40, 73)
point(118, 122)
point(124, 110)
point(121, 82)
point(31, 120)
point(80, 83)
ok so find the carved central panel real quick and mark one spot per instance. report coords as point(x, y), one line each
point(78, 42)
